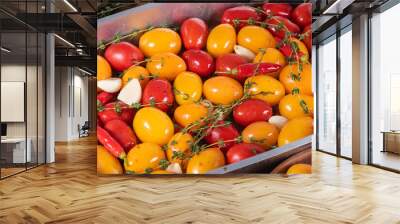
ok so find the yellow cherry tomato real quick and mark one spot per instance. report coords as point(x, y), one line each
point(261, 133)
point(144, 158)
point(166, 65)
point(222, 90)
point(265, 88)
point(107, 163)
point(271, 55)
point(302, 47)
point(205, 161)
point(295, 129)
point(178, 150)
point(296, 105)
point(187, 88)
point(221, 40)
point(136, 72)
point(255, 37)
point(296, 80)
point(161, 172)
point(187, 114)
point(153, 125)
point(160, 40)
point(299, 169)
point(103, 69)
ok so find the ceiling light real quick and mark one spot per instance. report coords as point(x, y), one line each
point(5, 49)
point(84, 71)
point(64, 40)
point(70, 5)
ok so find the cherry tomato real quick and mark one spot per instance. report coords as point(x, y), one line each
point(136, 72)
point(296, 81)
point(265, 88)
point(166, 65)
point(194, 33)
point(116, 110)
point(271, 55)
point(159, 93)
point(187, 88)
point(231, 16)
point(296, 105)
point(277, 9)
point(153, 125)
point(107, 163)
point(187, 114)
point(179, 150)
point(227, 62)
point(103, 68)
point(160, 40)
point(222, 132)
point(261, 133)
point(252, 110)
point(299, 169)
point(221, 40)
point(255, 37)
point(121, 132)
point(123, 55)
point(296, 129)
point(307, 33)
point(222, 90)
point(205, 161)
point(144, 158)
point(274, 26)
point(242, 151)
point(302, 14)
point(302, 52)
point(199, 62)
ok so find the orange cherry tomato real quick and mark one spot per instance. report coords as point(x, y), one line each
point(295, 80)
point(160, 40)
point(107, 163)
point(179, 148)
point(103, 69)
point(205, 161)
point(296, 105)
point(302, 52)
point(295, 129)
point(221, 40)
point(136, 72)
point(187, 88)
point(166, 65)
point(265, 88)
point(255, 37)
point(187, 114)
point(299, 169)
point(153, 125)
point(261, 133)
point(162, 172)
point(271, 55)
point(222, 90)
point(144, 158)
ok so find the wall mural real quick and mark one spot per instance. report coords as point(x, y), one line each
point(206, 88)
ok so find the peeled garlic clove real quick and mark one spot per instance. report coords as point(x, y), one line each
point(242, 51)
point(278, 121)
point(174, 168)
point(131, 93)
point(111, 85)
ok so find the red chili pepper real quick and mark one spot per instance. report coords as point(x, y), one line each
point(110, 143)
point(105, 97)
point(246, 70)
point(122, 133)
point(116, 110)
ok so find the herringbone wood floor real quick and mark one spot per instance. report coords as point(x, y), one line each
point(70, 192)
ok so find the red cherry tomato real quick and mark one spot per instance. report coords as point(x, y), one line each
point(122, 133)
point(307, 33)
point(242, 151)
point(302, 14)
point(105, 97)
point(114, 111)
point(199, 62)
point(276, 20)
point(240, 13)
point(278, 9)
point(158, 92)
point(123, 55)
point(250, 111)
point(227, 62)
point(194, 32)
point(224, 132)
